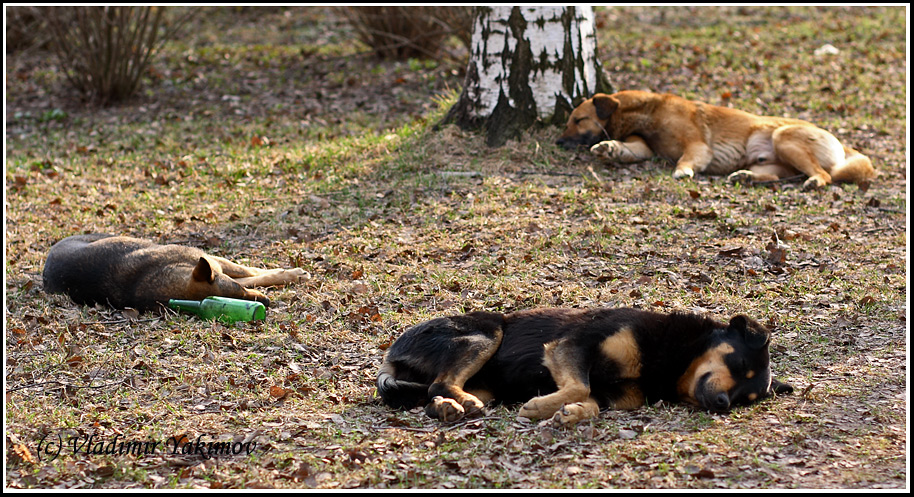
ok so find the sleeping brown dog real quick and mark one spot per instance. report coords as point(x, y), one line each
point(632, 126)
point(121, 271)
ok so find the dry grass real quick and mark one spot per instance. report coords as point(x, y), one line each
point(285, 146)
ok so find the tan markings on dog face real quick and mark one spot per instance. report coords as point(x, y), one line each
point(750, 374)
point(583, 119)
point(712, 362)
point(752, 397)
point(623, 350)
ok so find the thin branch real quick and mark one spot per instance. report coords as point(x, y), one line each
point(64, 385)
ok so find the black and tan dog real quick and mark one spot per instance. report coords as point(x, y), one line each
point(631, 126)
point(567, 364)
point(129, 272)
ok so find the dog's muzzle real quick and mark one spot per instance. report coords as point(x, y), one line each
point(571, 142)
point(710, 398)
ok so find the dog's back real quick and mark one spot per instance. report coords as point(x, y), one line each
point(118, 271)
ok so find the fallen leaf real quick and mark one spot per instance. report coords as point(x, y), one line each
point(23, 452)
point(703, 473)
point(732, 252)
point(278, 392)
point(625, 434)
point(867, 300)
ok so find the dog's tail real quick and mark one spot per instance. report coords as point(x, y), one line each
point(398, 393)
point(857, 168)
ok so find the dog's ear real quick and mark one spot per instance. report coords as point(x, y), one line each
point(203, 272)
point(605, 105)
point(780, 388)
point(755, 335)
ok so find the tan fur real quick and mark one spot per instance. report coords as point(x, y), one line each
point(464, 403)
point(622, 348)
point(566, 364)
point(632, 126)
point(571, 387)
point(124, 272)
point(632, 399)
point(712, 362)
point(570, 414)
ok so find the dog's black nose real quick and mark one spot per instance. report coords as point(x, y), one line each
point(567, 143)
point(721, 402)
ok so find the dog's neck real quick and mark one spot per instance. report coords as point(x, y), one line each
point(632, 117)
point(661, 365)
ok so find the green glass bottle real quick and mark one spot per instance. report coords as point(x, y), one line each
point(224, 309)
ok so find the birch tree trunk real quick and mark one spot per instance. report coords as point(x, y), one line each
point(527, 64)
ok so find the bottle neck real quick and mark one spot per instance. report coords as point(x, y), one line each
point(187, 305)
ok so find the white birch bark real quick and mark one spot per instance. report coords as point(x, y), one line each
point(527, 64)
point(547, 37)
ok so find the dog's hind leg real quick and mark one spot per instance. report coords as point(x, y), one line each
point(857, 168)
point(448, 400)
point(762, 172)
point(810, 150)
point(251, 276)
point(570, 374)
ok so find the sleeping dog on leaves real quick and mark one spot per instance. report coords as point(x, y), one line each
point(567, 364)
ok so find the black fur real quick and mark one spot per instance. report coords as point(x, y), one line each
point(667, 344)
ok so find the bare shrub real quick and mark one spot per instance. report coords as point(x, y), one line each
point(24, 29)
point(403, 32)
point(104, 51)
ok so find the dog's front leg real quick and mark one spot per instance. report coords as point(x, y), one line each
point(631, 149)
point(563, 360)
point(695, 159)
point(546, 406)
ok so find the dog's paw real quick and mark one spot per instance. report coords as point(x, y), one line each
point(683, 172)
point(297, 274)
point(535, 410)
point(529, 411)
point(743, 176)
point(573, 413)
point(445, 409)
point(608, 150)
point(473, 407)
point(814, 183)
